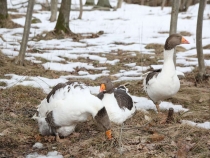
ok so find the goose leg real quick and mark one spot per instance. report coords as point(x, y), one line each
point(57, 138)
point(158, 108)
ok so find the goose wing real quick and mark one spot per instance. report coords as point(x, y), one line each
point(123, 99)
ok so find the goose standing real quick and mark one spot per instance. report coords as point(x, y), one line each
point(65, 106)
point(163, 84)
point(118, 102)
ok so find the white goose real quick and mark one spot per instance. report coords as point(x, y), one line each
point(163, 84)
point(118, 103)
point(65, 106)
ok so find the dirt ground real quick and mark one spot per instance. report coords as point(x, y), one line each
point(139, 137)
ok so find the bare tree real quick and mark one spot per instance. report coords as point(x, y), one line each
point(163, 4)
point(80, 9)
point(20, 59)
point(62, 24)
point(3, 12)
point(90, 2)
point(142, 2)
point(174, 18)
point(104, 3)
point(119, 3)
point(54, 9)
point(199, 47)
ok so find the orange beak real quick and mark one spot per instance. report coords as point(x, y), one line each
point(184, 41)
point(102, 87)
point(109, 134)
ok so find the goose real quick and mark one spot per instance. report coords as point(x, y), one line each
point(164, 83)
point(65, 106)
point(118, 102)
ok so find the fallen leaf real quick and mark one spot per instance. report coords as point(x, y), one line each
point(183, 148)
point(156, 137)
point(37, 138)
point(5, 132)
point(13, 115)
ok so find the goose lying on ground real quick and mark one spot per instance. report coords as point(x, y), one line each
point(118, 102)
point(65, 106)
point(164, 83)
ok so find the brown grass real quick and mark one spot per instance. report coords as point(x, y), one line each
point(139, 139)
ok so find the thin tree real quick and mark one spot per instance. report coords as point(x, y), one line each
point(3, 12)
point(119, 3)
point(80, 9)
point(174, 19)
point(199, 47)
point(163, 4)
point(104, 3)
point(174, 16)
point(53, 9)
point(142, 2)
point(62, 24)
point(90, 2)
point(20, 59)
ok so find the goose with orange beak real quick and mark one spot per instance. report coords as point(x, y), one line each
point(117, 101)
point(164, 83)
point(59, 113)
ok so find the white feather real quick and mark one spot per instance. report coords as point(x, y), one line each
point(70, 105)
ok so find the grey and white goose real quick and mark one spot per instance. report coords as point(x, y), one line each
point(63, 108)
point(164, 83)
point(118, 102)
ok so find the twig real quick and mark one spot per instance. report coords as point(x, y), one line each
point(137, 127)
point(120, 139)
point(18, 3)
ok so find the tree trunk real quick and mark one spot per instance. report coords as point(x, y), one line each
point(20, 59)
point(142, 2)
point(103, 3)
point(119, 3)
point(90, 2)
point(47, 4)
point(54, 9)
point(174, 16)
point(199, 47)
point(173, 23)
point(80, 9)
point(3, 12)
point(163, 4)
point(62, 24)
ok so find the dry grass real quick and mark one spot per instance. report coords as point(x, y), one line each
point(139, 139)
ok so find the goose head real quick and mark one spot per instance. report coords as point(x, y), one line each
point(106, 85)
point(173, 40)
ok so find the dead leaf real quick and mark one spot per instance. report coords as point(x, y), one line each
point(49, 138)
point(5, 132)
point(183, 149)
point(13, 115)
point(156, 137)
point(37, 138)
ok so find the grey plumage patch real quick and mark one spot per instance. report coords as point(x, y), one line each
point(100, 95)
point(152, 74)
point(62, 85)
point(50, 120)
point(102, 119)
point(123, 99)
point(58, 86)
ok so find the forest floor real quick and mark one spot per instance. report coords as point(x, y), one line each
point(139, 137)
